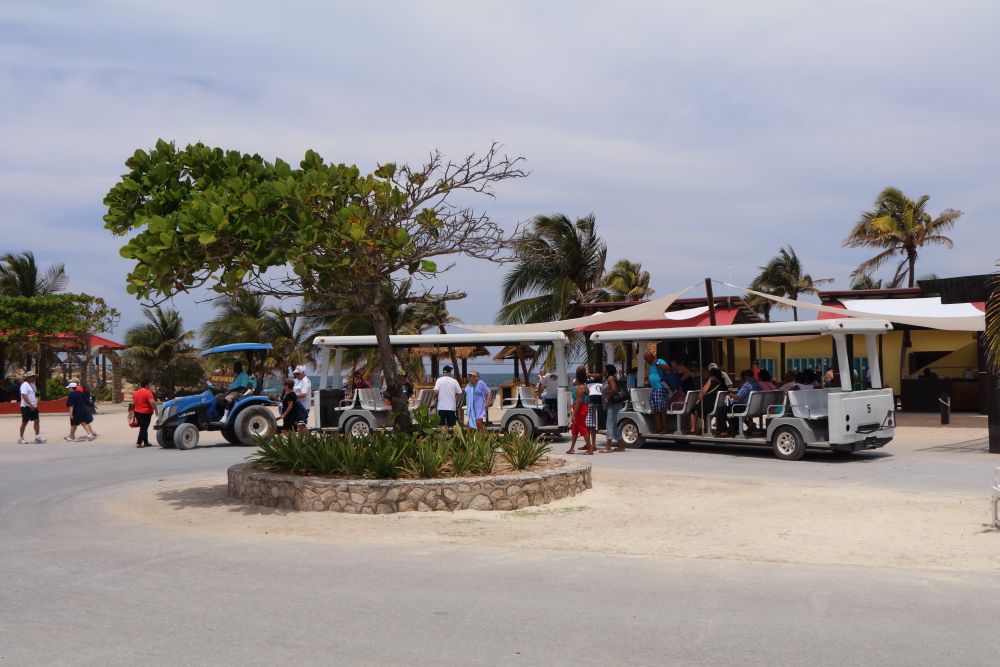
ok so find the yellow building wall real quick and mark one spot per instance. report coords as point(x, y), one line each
point(962, 345)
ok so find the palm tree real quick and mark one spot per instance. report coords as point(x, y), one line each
point(866, 282)
point(898, 224)
point(783, 276)
point(626, 281)
point(162, 351)
point(291, 337)
point(761, 304)
point(19, 276)
point(560, 267)
point(243, 320)
point(428, 315)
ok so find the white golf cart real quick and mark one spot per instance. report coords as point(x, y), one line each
point(837, 418)
point(367, 410)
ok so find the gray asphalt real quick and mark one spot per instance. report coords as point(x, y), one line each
point(81, 587)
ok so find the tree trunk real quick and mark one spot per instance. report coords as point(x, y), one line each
point(387, 360)
point(912, 259)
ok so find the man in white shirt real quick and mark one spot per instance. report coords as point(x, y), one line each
point(447, 389)
point(549, 391)
point(303, 391)
point(29, 407)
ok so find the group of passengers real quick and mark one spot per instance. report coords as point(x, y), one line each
point(593, 394)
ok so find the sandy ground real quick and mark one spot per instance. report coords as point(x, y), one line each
point(625, 513)
point(640, 514)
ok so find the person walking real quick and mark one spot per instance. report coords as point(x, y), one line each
point(447, 389)
point(581, 405)
point(303, 390)
point(477, 398)
point(144, 407)
point(289, 408)
point(79, 413)
point(29, 408)
point(613, 402)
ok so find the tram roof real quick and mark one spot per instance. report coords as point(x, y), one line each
point(445, 340)
point(759, 330)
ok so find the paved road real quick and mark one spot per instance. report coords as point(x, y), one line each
point(80, 587)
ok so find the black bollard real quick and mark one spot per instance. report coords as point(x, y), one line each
point(945, 401)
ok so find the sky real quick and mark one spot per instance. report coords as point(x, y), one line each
point(702, 136)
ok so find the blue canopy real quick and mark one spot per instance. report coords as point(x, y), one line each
point(238, 347)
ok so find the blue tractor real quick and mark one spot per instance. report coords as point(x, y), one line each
point(242, 413)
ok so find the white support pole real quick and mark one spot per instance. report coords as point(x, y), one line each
point(338, 361)
point(563, 406)
point(324, 367)
point(873, 360)
point(843, 363)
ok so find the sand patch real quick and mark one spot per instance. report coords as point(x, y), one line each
point(637, 513)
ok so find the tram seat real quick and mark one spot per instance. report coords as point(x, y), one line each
point(682, 409)
point(522, 398)
point(639, 397)
point(756, 406)
point(424, 397)
point(810, 403)
point(371, 399)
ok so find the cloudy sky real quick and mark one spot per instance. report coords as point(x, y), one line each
point(703, 136)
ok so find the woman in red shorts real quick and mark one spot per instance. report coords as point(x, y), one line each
point(581, 407)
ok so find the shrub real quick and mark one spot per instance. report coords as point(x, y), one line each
point(102, 393)
point(389, 455)
point(55, 388)
point(522, 452)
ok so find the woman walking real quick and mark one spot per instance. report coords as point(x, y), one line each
point(613, 404)
point(581, 407)
point(144, 409)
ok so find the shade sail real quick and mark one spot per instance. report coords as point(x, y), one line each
point(699, 318)
point(926, 312)
point(644, 311)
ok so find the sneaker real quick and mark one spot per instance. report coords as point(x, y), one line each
point(66, 438)
point(96, 434)
point(39, 439)
point(91, 437)
point(22, 441)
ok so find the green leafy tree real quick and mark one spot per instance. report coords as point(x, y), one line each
point(626, 281)
point(784, 276)
point(20, 276)
point(866, 282)
point(761, 304)
point(204, 217)
point(560, 267)
point(161, 350)
point(436, 315)
point(898, 225)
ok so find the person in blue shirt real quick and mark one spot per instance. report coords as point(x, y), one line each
point(242, 381)
point(79, 413)
point(477, 398)
point(661, 390)
point(740, 396)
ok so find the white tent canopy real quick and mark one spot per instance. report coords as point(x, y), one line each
point(650, 310)
point(926, 312)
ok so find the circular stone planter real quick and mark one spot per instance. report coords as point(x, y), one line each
point(254, 486)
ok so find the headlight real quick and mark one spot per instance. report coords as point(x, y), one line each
point(166, 413)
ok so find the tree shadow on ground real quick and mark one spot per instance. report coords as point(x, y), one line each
point(213, 496)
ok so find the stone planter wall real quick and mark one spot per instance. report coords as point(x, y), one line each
point(317, 494)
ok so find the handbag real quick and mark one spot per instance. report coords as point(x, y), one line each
point(132, 421)
point(620, 394)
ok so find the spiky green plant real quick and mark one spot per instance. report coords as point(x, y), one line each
point(522, 452)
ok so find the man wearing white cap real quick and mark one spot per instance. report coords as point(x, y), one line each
point(725, 378)
point(303, 390)
point(79, 413)
point(446, 389)
point(29, 407)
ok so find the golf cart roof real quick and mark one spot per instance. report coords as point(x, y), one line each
point(445, 340)
point(761, 330)
point(238, 347)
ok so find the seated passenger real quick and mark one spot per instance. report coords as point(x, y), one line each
point(788, 381)
point(764, 380)
point(237, 387)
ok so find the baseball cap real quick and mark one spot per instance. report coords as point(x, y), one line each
point(713, 365)
point(71, 385)
point(298, 369)
point(474, 372)
point(30, 374)
point(447, 369)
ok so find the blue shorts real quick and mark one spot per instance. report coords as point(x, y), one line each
point(76, 420)
point(448, 417)
point(303, 417)
point(658, 400)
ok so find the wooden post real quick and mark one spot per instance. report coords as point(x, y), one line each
point(465, 368)
point(716, 343)
point(781, 370)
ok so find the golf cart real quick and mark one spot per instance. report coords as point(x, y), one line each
point(241, 416)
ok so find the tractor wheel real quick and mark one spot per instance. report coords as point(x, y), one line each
point(255, 422)
point(186, 436)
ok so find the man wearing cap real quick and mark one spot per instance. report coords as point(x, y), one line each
point(79, 413)
point(477, 397)
point(407, 385)
point(29, 407)
point(725, 377)
point(447, 389)
point(303, 391)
